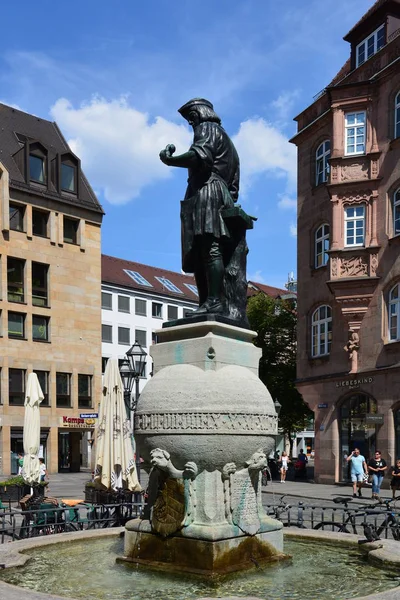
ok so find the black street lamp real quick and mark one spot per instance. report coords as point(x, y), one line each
point(278, 407)
point(131, 370)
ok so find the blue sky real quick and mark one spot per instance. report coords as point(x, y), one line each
point(113, 75)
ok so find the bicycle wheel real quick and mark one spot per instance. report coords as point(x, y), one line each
point(331, 526)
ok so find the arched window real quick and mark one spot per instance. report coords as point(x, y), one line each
point(396, 212)
point(322, 156)
point(397, 115)
point(321, 333)
point(321, 246)
point(394, 313)
point(357, 429)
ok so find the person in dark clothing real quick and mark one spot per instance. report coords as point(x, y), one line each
point(377, 467)
point(213, 185)
point(395, 483)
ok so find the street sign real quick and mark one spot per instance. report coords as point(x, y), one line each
point(89, 415)
point(323, 405)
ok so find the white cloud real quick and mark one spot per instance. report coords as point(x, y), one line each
point(118, 145)
point(284, 104)
point(293, 230)
point(263, 149)
point(257, 276)
point(286, 202)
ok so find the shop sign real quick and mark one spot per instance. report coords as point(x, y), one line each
point(78, 423)
point(374, 419)
point(323, 405)
point(89, 415)
point(354, 382)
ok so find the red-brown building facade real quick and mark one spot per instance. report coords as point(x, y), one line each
point(349, 249)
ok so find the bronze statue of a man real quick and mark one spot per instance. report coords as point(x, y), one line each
point(213, 187)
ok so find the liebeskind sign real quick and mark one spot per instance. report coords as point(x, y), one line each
point(77, 422)
point(357, 381)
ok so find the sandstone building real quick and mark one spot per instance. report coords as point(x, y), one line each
point(349, 249)
point(50, 281)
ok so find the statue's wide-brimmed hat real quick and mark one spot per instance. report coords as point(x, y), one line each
point(186, 108)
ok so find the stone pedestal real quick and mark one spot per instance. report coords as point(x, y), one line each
point(205, 422)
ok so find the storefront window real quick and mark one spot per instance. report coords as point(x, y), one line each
point(355, 430)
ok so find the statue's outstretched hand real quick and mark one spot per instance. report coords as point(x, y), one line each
point(166, 154)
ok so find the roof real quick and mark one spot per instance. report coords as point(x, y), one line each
point(13, 122)
point(254, 288)
point(345, 70)
point(365, 17)
point(114, 272)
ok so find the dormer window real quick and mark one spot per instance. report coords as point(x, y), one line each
point(68, 178)
point(370, 46)
point(37, 168)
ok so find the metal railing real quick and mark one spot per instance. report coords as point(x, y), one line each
point(51, 519)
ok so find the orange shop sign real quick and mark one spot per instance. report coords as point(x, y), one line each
point(77, 422)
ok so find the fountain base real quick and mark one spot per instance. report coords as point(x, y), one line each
point(200, 556)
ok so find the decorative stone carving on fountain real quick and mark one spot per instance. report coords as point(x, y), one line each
point(170, 494)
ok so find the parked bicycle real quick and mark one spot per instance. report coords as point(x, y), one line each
point(372, 530)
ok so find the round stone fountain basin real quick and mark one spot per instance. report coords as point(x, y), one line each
point(83, 565)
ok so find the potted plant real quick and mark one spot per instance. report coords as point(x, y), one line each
point(14, 488)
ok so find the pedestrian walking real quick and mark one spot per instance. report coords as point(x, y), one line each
point(376, 468)
point(395, 483)
point(284, 466)
point(358, 468)
point(43, 469)
point(20, 462)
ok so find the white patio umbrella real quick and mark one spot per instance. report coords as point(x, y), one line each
point(115, 461)
point(31, 438)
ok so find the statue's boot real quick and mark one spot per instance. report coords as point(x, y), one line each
point(215, 276)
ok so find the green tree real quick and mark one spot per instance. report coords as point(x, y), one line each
point(275, 322)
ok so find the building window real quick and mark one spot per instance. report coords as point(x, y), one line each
point(172, 312)
point(106, 300)
point(321, 331)
point(16, 325)
point(321, 246)
point(84, 391)
point(397, 115)
point(124, 335)
point(40, 328)
point(192, 288)
point(168, 285)
point(68, 178)
point(15, 279)
point(396, 212)
point(106, 334)
point(355, 133)
point(138, 278)
point(354, 224)
point(141, 337)
point(354, 429)
point(394, 313)
point(40, 284)
point(70, 230)
point(156, 310)
point(370, 46)
point(322, 156)
point(124, 304)
point(104, 361)
point(16, 387)
point(140, 307)
point(43, 377)
point(40, 221)
point(17, 214)
point(37, 170)
point(63, 390)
